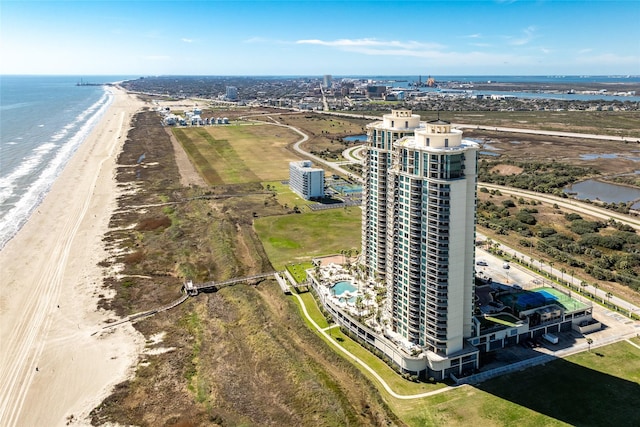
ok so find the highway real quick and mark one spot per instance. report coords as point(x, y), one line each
point(550, 133)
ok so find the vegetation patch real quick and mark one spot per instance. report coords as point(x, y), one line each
point(298, 271)
point(242, 355)
point(308, 235)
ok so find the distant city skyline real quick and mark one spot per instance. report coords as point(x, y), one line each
point(501, 37)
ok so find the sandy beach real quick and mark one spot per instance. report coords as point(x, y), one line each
point(56, 361)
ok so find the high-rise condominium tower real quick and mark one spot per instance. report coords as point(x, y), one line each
point(377, 161)
point(419, 230)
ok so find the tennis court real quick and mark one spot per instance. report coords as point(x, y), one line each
point(527, 300)
point(347, 189)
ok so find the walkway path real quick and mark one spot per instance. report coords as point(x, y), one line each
point(364, 365)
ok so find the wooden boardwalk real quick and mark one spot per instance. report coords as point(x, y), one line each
point(189, 289)
point(193, 289)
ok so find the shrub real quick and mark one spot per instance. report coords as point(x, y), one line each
point(546, 232)
point(572, 216)
point(526, 217)
point(580, 226)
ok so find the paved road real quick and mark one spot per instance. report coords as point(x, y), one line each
point(305, 137)
point(549, 132)
point(576, 281)
point(572, 204)
point(581, 207)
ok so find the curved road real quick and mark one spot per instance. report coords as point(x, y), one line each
point(572, 204)
point(586, 209)
point(319, 160)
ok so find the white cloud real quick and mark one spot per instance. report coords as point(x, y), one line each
point(186, 40)
point(528, 35)
point(375, 47)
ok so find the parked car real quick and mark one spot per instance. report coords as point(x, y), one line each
point(482, 263)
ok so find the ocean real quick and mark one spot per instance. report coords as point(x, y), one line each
point(43, 121)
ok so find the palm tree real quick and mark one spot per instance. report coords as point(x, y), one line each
point(609, 295)
point(571, 272)
point(359, 304)
point(589, 342)
point(550, 269)
point(562, 271)
point(584, 285)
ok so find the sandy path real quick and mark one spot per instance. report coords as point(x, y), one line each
point(51, 262)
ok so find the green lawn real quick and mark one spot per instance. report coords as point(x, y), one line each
point(239, 153)
point(395, 381)
point(299, 271)
point(286, 196)
point(300, 237)
point(601, 387)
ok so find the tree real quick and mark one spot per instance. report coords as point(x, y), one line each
point(571, 273)
point(589, 342)
point(562, 271)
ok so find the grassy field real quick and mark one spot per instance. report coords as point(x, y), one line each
point(597, 122)
point(239, 356)
point(599, 382)
point(591, 388)
point(286, 197)
point(239, 153)
point(300, 237)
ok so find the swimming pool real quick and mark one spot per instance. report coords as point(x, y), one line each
point(340, 288)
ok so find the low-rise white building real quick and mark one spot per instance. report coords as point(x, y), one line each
point(305, 180)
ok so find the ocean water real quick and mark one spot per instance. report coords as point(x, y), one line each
point(43, 121)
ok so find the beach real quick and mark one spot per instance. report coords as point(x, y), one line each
point(56, 360)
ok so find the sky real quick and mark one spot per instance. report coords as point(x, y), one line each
point(342, 38)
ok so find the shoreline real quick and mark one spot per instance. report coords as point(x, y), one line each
point(50, 288)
